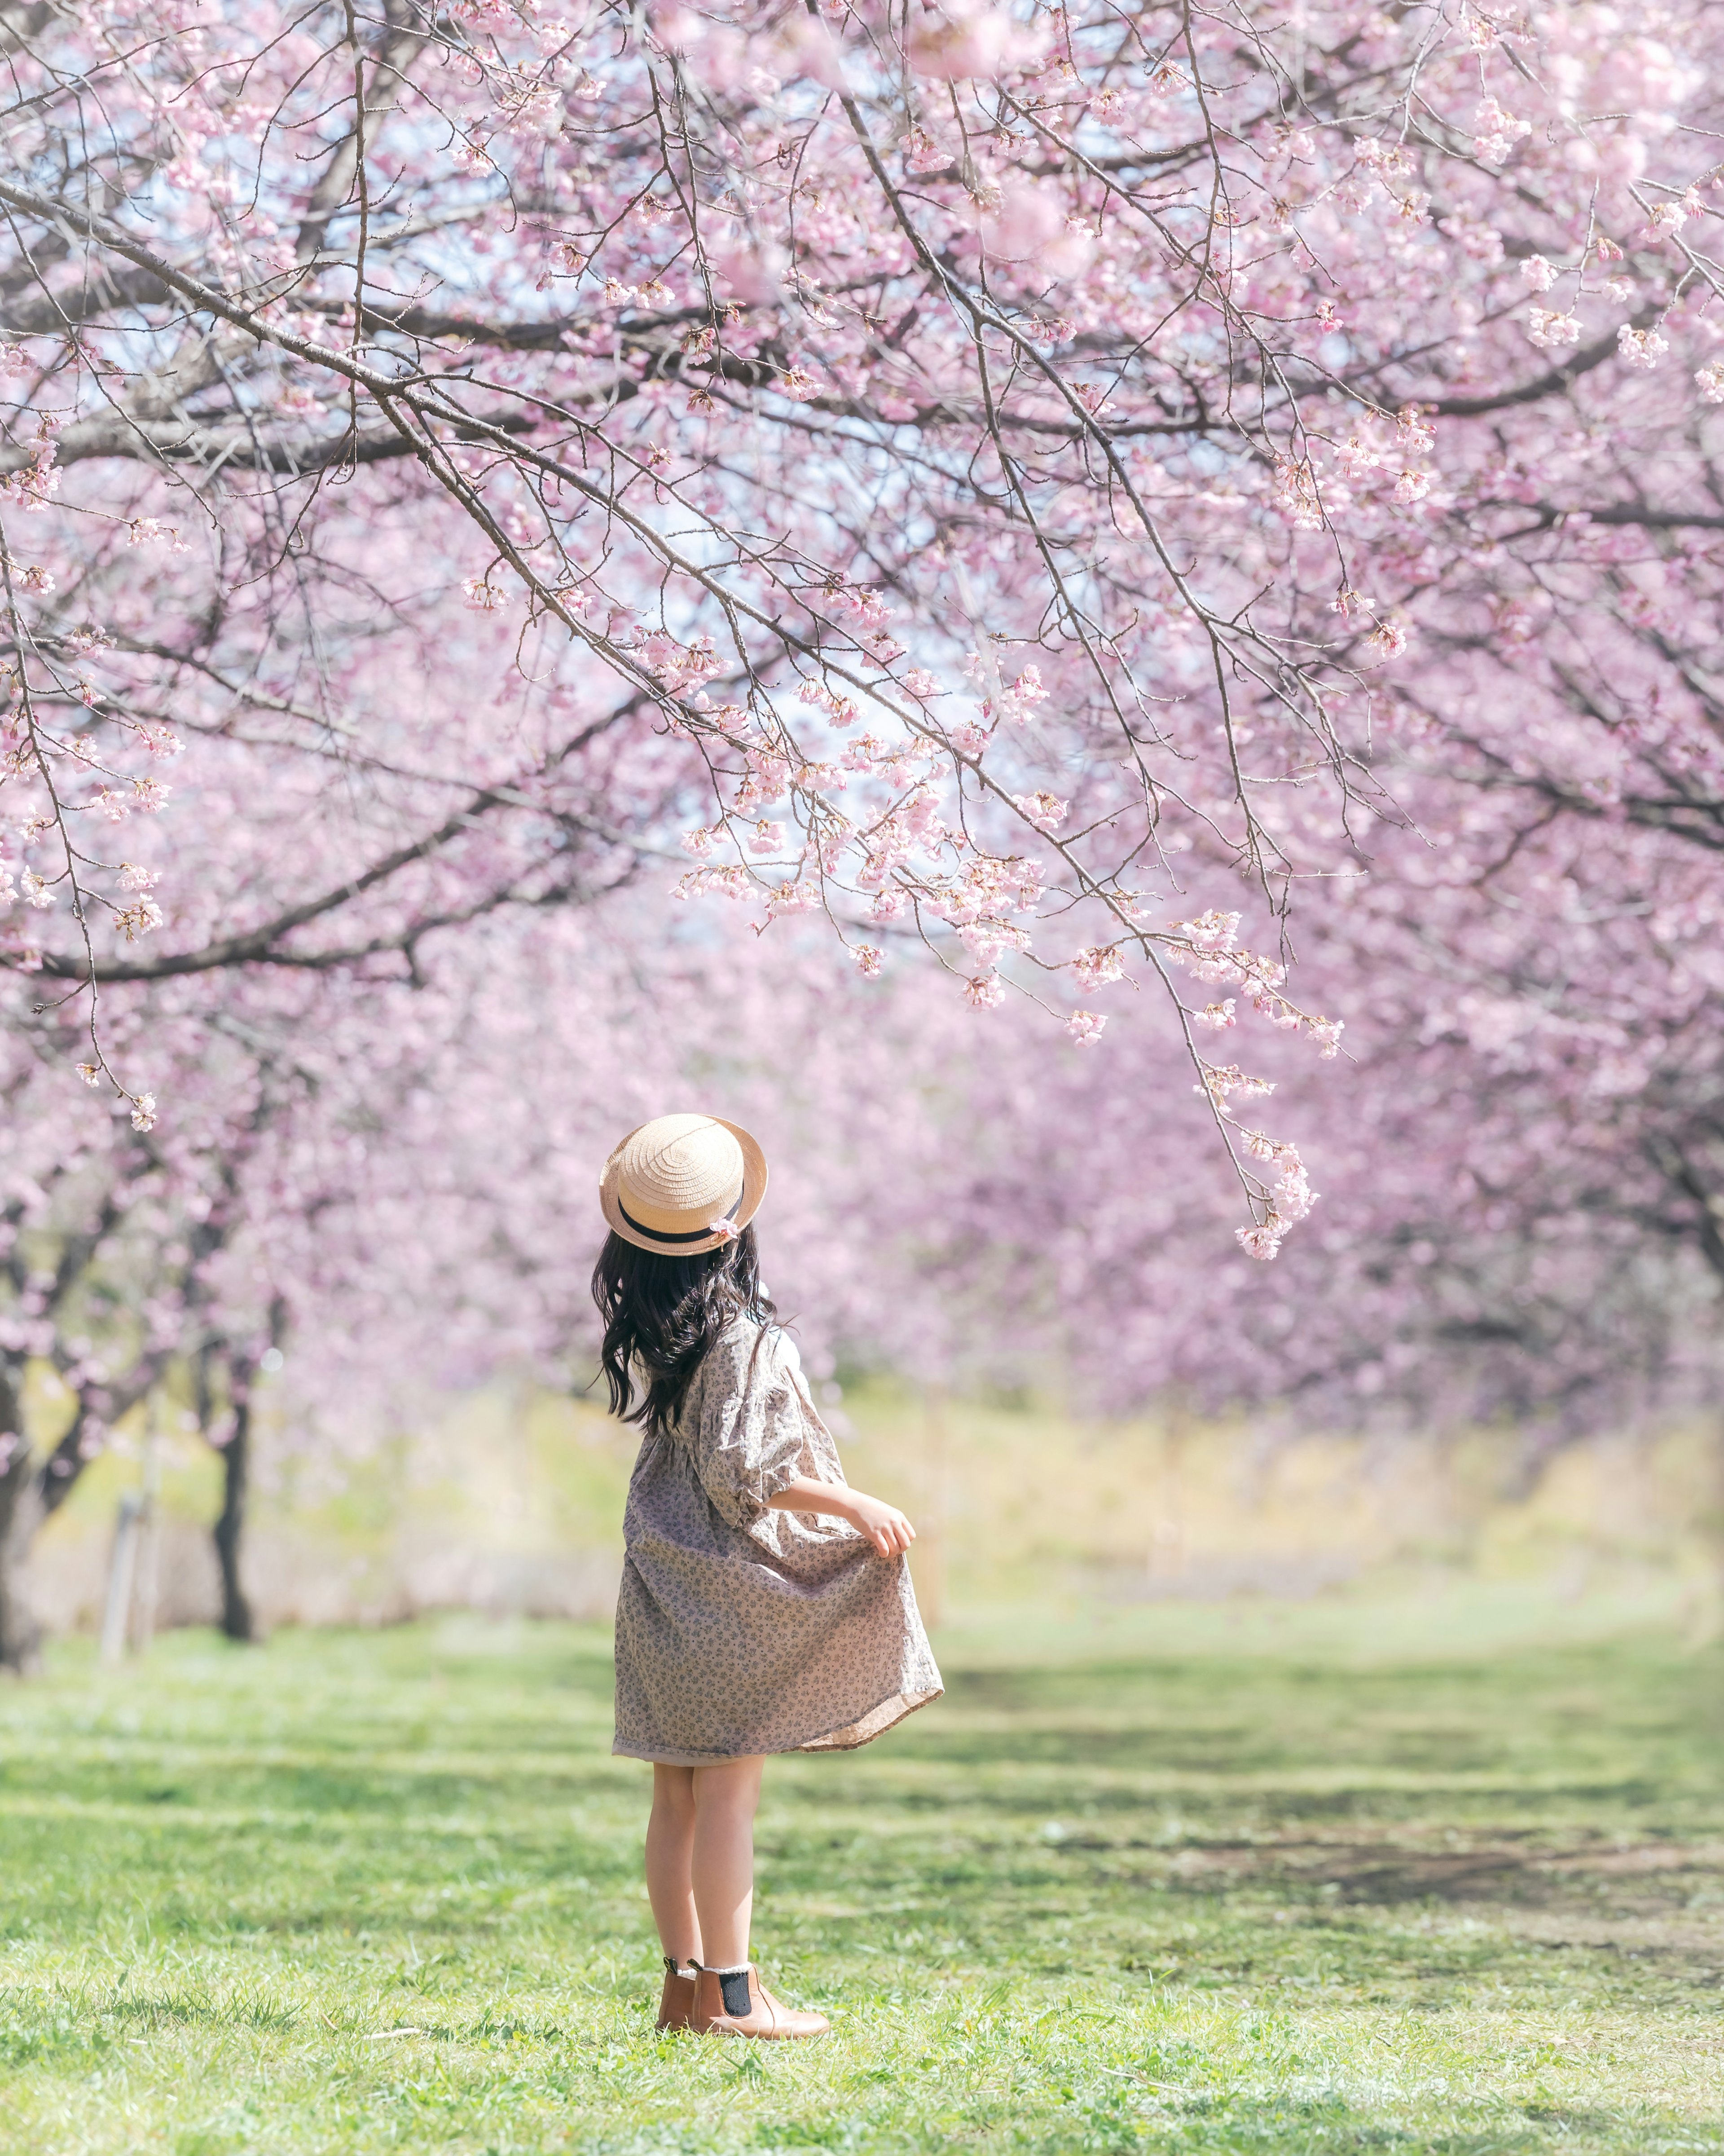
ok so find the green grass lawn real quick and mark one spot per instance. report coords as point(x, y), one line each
point(1185, 1884)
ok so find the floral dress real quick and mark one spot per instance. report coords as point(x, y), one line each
point(741, 1629)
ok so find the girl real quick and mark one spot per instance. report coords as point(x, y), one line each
point(765, 1606)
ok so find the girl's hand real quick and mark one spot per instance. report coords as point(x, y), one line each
point(885, 1526)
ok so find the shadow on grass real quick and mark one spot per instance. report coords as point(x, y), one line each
point(243, 2008)
point(1317, 2126)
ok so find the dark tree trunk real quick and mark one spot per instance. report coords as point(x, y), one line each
point(1709, 1625)
point(237, 1619)
point(20, 1514)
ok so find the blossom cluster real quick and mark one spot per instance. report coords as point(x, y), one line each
point(889, 433)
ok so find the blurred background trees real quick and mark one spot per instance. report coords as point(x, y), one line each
point(1149, 531)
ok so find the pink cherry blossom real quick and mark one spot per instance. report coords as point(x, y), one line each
point(1285, 476)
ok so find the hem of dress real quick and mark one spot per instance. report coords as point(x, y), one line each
point(849, 1737)
point(853, 1735)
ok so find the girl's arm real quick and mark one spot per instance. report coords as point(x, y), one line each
point(885, 1526)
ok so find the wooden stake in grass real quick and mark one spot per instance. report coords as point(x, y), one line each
point(928, 1563)
point(122, 1568)
point(134, 1567)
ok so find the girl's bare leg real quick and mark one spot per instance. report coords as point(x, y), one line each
point(669, 1848)
point(722, 1865)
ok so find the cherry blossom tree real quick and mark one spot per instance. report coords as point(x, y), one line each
point(1099, 500)
point(1520, 1164)
point(1535, 1192)
point(389, 1177)
point(111, 1256)
point(399, 1194)
point(1009, 445)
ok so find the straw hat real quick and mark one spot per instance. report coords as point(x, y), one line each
point(682, 1185)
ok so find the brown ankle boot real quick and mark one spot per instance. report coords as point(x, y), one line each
point(677, 2000)
point(739, 2004)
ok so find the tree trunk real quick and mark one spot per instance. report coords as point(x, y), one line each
point(20, 1515)
point(1709, 1623)
point(237, 1620)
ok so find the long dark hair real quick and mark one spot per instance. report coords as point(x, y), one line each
point(664, 1313)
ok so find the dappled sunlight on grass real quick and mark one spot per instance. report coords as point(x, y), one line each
point(381, 1892)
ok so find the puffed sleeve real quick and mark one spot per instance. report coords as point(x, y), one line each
point(744, 1422)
